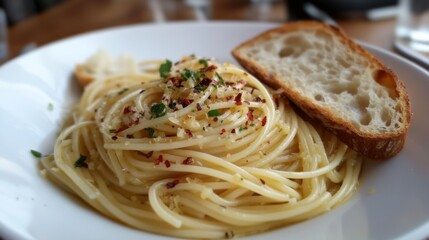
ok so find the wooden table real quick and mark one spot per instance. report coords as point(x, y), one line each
point(78, 16)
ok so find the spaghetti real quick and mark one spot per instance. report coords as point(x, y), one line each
point(206, 151)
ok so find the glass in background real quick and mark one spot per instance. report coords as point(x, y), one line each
point(413, 23)
point(19, 10)
point(4, 50)
point(412, 31)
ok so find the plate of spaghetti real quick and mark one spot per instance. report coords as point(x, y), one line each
point(176, 140)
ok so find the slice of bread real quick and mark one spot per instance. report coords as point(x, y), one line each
point(102, 65)
point(334, 81)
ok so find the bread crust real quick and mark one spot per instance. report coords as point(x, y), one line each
point(82, 76)
point(370, 145)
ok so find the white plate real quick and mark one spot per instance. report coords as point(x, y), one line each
point(392, 201)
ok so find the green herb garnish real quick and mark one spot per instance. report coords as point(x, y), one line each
point(50, 107)
point(112, 130)
point(200, 88)
point(203, 62)
point(81, 162)
point(221, 80)
point(214, 113)
point(36, 153)
point(165, 68)
point(199, 75)
point(158, 110)
point(150, 132)
point(188, 74)
point(122, 91)
point(172, 105)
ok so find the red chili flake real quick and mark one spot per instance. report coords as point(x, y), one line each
point(177, 81)
point(258, 99)
point(172, 184)
point(264, 101)
point(167, 163)
point(262, 181)
point(205, 82)
point(250, 115)
point(215, 119)
point(188, 132)
point(264, 121)
point(222, 131)
point(159, 160)
point(199, 108)
point(210, 68)
point(127, 110)
point(188, 161)
point(228, 98)
point(241, 81)
point(247, 102)
point(237, 99)
point(115, 137)
point(121, 128)
point(184, 101)
point(137, 121)
point(147, 155)
point(233, 130)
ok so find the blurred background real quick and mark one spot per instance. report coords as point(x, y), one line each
point(32, 23)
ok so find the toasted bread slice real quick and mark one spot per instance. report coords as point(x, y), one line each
point(334, 81)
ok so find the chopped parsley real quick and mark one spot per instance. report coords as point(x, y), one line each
point(81, 162)
point(165, 68)
point(158, 110)
point(203, 84)
point(214, 113)
point(150, 132)
point(188, 75)
point(221, 80)
point(122, 91)
point(36, 153)
point(200, 88)
point(50, 106)
point(203, 62)
point(172, 105)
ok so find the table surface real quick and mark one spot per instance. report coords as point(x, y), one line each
point(77, 16)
